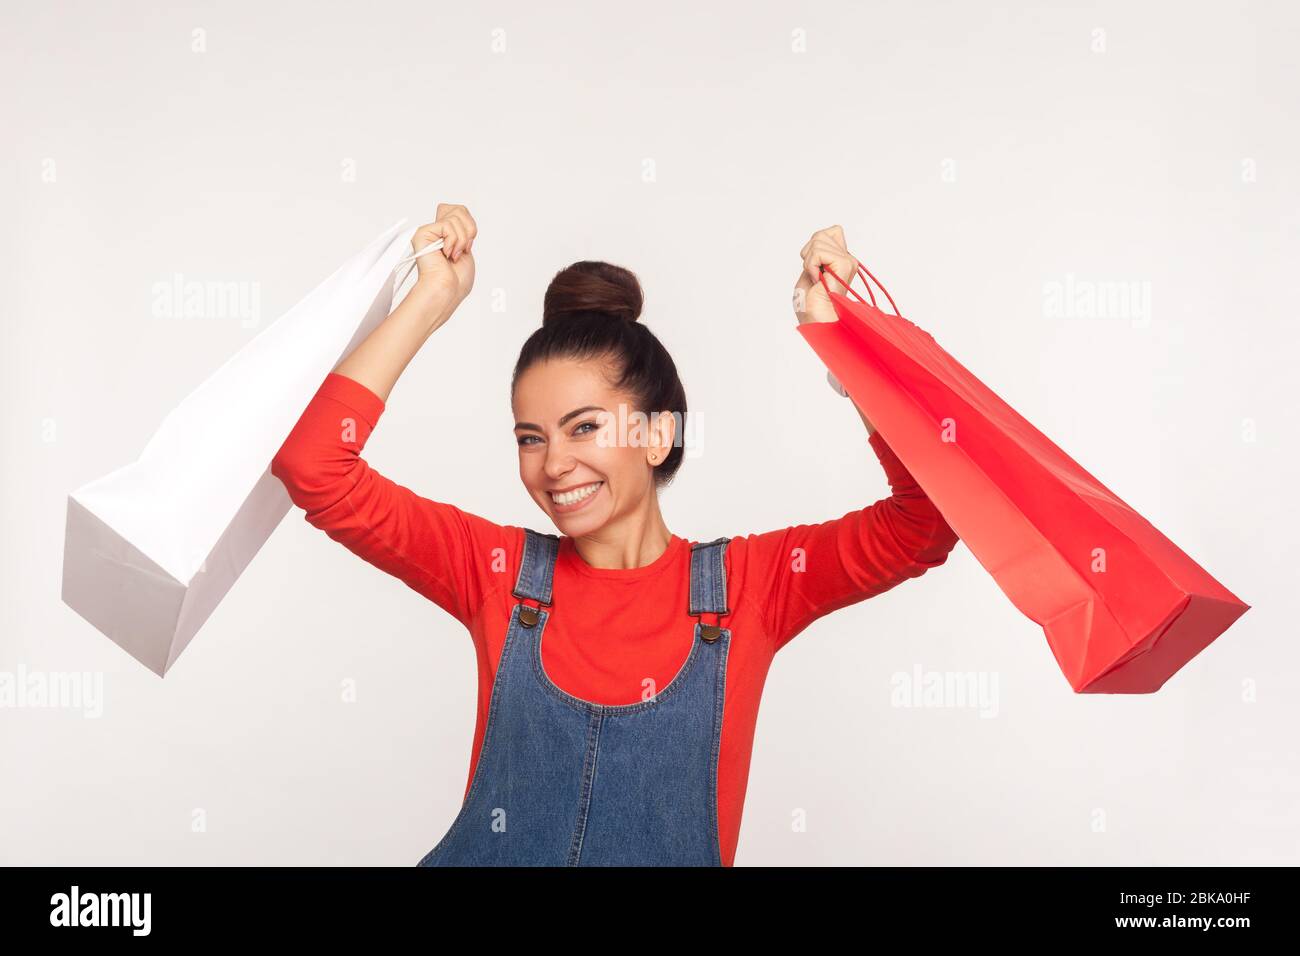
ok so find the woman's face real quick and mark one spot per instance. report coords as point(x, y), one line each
point(579, 436)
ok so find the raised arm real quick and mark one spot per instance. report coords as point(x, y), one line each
point(810, 570)
point(445, 278)
point(449, 555)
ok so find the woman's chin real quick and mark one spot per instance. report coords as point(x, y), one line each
point(579, 522)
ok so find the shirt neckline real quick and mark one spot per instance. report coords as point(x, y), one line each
point(569, 554)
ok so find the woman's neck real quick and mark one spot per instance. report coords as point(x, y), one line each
point(632, 542)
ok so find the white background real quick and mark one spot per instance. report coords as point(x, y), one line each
point(974, 153)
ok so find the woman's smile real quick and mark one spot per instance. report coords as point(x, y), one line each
point(575, 498)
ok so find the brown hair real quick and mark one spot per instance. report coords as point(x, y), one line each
point(590, 311)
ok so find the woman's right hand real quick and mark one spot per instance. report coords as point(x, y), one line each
point(445, 278)
point(449, 272)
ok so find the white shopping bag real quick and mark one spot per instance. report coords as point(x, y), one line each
point(151, 548)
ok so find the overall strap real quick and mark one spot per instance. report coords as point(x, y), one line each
point(536, 573)
point(709, 584)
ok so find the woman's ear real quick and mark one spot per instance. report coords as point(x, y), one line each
point(662, 436)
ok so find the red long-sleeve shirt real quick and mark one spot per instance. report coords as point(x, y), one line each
point(467, 565)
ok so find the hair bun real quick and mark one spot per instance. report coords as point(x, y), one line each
point(589, 286)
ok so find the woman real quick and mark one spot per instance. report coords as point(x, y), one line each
point(626, 737)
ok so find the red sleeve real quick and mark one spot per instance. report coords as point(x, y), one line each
point(807, 571)
point(451, 556)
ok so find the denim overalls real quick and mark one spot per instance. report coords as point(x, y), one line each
point(562, 781)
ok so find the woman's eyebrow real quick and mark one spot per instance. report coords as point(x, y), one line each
point(573, 414)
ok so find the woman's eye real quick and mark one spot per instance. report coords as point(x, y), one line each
point(534, 439)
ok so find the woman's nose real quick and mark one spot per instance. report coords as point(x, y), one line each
point(558, 463)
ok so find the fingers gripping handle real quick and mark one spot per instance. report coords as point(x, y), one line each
point(867, 279)
point(431, 247)
point(861, 269)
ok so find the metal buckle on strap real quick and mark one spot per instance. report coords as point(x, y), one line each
point(529, 614)
point(708, 632)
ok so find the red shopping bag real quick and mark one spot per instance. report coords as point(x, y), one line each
point(1123, 608)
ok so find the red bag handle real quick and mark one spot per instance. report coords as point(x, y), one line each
point(861, 270)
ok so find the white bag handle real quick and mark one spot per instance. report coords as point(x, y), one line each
point(431, 247)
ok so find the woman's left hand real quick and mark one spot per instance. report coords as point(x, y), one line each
point(825, 248)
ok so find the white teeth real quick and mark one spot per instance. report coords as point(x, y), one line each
point(572, 497)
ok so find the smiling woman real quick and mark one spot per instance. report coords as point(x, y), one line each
point(623, 737)
point(589, 370)
point(590, 329)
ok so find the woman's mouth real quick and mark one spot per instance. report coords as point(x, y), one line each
point(576, 498)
